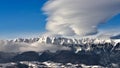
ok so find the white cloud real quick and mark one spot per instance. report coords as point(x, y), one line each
point(7, 46)
point(40, 47)
point(79, 17)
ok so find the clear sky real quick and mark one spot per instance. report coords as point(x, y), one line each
point(25, 16)
point(21, 16)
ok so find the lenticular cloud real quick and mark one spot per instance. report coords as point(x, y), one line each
point(79, 17)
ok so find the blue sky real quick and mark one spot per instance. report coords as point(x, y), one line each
point(21, 16)
point(25, 16)
point(113, 23)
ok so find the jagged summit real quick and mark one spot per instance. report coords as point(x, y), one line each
point(63, 40)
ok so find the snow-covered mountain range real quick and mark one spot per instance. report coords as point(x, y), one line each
point(62, 40)
point(88, 51)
